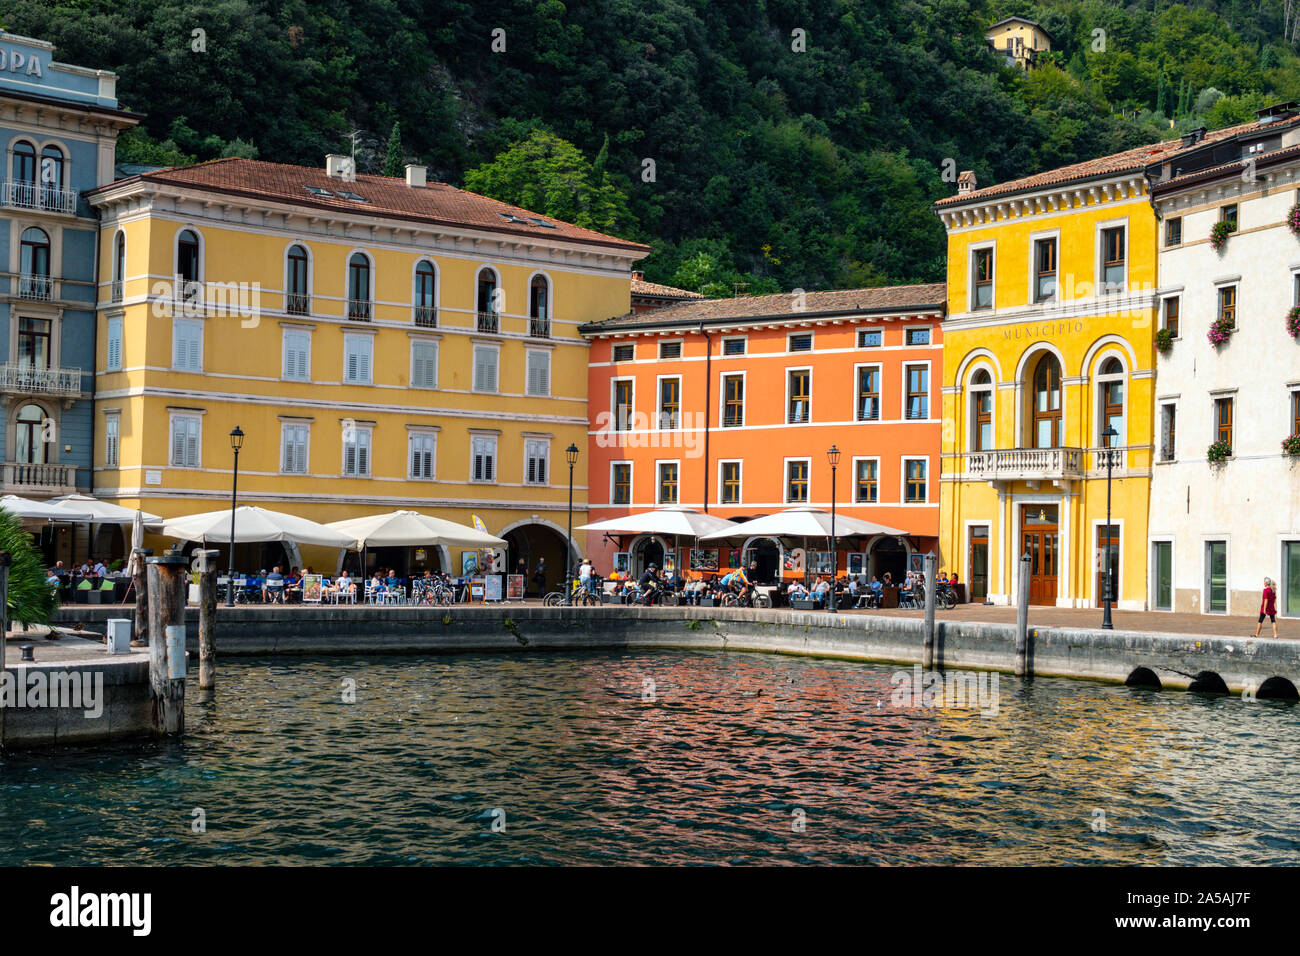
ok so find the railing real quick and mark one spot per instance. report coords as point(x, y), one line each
point(299, 303)
point(53, 479)
point(38, 288)
point(539, 328)
point(732, 419)
point(29, 379)
point(489, 322)
point(426, 316)
point(1118, 461)
point(1025, 464)
point(26, 195)
point(359, 310)
point(115, 291)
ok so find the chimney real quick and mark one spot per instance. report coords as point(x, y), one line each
point(966, 182)
point(334, 165)
point(416, 176)
point(638, 276)
point(1193, 136)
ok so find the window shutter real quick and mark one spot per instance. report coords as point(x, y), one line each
point(192, 444)
point(115, 343)
point(489, 462)
point(541, 471)
point(351, 372)
point(178, 444)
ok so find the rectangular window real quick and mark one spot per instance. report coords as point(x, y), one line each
point(733, 346)
point(1228, 303)
point(624, 353)
point(796, 482)
point(870, 338)
point(915, 487)
point(1168, 431)
point(423, 448)
point(296, 363)
point(1112, 260)
point(801, 343)
point(667, 482)
point(424, 363)
point(537, 454)
point(730, 494)
point(1291, 558)
point(623, 405)
point(1162, 563)
point(187, 345)
point(1216, 577)
point(733, 401)
point(1295, 290)
point(356, 451)
point(867, 481)
point(114, 345)
point(983, 413)
point(670, 350)
point(670, 403)
point(918, 391)
point(483, 452)
point(1044, 269)
point(1174, 231)
point(538, 373)
point(112, 440)
point(982, 279)
point(1295, 413)
point(620, 479)
point(1223, 421)
point(799, 386)
point(358, 353)
point(1173, 305)
point(293, 448)
point(869, 394)
point(485, 368)
point(1228, 213)
point(186, 432)
point(918, 337)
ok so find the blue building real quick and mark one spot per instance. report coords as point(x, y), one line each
point(58, 126)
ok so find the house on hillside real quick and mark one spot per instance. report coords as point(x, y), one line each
point(1019, 40)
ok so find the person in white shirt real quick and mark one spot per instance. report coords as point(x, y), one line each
point(100, 569)
point(584, 575)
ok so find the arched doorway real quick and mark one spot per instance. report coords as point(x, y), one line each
point(767, 552)
point(887, 554)
point(530, 542)
point(647, 550)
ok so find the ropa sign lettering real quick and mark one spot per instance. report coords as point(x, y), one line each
point(16, 61)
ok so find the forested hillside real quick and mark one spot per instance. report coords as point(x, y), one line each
point(758, 146)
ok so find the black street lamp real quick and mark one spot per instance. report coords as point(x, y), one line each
point(236, 443)
point(833, 456)
point(1110, 435)
point(571, 456)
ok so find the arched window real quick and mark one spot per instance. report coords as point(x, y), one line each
point(359, 287)
point(24, 162)
point(34, 265)
point(981, 410)
point(187, 256)
point(1046, 398)
point(426, 312)
point(1110, 381)
point(488, 318)
point(539, 308)
point(52, 178)
point(119, 267)
point(297, 299)
point(29, 440)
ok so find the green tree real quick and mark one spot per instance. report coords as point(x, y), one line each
point(31, 600)
point(395, 159)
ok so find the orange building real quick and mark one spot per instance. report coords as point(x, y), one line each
point(730, 405)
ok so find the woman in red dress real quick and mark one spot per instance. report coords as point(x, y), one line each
point(1268, 606)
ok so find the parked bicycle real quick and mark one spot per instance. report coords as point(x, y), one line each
point(580, 597)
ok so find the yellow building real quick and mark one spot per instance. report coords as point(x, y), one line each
point(1048, 341)
point(382, 343)
point(1019, 40)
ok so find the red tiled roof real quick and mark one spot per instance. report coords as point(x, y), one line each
point(1235, 167)
point(781, 307)
point(641, 287)
point(385, 197)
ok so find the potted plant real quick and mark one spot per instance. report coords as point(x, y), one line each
point(1291, 446)
point(1218, 452)
point(1293, 220)
point(1221, 330)
point(1293, 322)
point(1220, 232)
point(1164, 341)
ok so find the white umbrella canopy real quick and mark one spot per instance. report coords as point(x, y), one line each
point(137, 540)
point(103, 512)
point(803, 523)
point(675, 521)
point(411, 528)
point(26, 508)
point(253, 525)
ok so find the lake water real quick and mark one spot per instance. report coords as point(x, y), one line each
point(664, 757)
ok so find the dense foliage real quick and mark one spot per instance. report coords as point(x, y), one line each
point(31, 600)
point(757, 146)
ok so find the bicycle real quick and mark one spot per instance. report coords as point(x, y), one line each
point(753, 599)
point(580, 597)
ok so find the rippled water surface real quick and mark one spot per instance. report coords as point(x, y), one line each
point(567, 751)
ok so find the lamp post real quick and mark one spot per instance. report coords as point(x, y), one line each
point(236, 443)
point(1110, 435)
point(833, 456)
point(571, 456)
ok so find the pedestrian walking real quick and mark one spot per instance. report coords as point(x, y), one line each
point(1268, 605)
point(539, 577)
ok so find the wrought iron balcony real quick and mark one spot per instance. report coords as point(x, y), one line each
point(20, 194)
point(299, 303)
point(36, 287)
point(489, 322)
point(539, 328)
point(426, 316)
point(26, 479)
point(359, 310)
point(115, 291)
point(30, 380)
point(1025, 464)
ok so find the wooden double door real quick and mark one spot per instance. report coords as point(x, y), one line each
point(1041, 539)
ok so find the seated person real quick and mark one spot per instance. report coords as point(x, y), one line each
point(822, 592)
point(377, 587)
point(344, 584)
point(273, 586)
point(907, 595)
point(797, 592)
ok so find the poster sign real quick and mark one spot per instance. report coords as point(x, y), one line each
point(704, 559)
point(492, 587)
point(670, 562)
point(916, 562)
point(733, 557)
point(421, 555)
point(623, 562)
point(823, 562)
point(468, 563)
point(794, 560)
point(514, 587)
point(476, 591)
point(312, 587)
point(857, 562)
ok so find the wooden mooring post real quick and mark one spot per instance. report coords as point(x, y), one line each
point(931, 562)
point(167, 587)
point(1022, 617)
point(140, 578)
point(205, 563)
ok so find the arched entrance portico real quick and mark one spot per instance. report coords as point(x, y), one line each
point(887, 554)
point(767, 552)
point(533, 540)
point(647, 549)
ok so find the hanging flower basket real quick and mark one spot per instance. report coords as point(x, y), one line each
point(1291, 446)
point(1293, 220)
point(1164, 341)
point(1293, 322)
point(1220, 233)
point(1220, 331)
point(1218, 453)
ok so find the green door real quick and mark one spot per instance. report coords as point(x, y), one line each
point(1163, 561)
point(1216, 571)
point(1293, 578)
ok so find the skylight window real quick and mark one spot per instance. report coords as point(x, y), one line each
point(344, 194)
point(317, 191)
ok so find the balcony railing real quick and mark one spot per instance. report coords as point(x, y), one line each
point(21, 478)
point(733, 419)
point(36, 287)
point(299, 303)
point(115, 291)
point(30, 380)
point(359, 310)
point(426, 316)
point(1025, 464)
point(25, 195)
point(539, 328)
point(489, 322)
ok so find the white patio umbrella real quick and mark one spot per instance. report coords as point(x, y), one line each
point(42, 510)
point(674, 521)
point(253, 525)
point(103, 512)
point(803, 523)
point(411, 528)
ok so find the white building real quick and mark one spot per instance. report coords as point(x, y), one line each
point(1217, 530)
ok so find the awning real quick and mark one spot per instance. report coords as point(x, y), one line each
point(102, 512)
point(253, 525)
point(410, 529)
point(803, 523)
point(42, 510)
point(681, 522)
